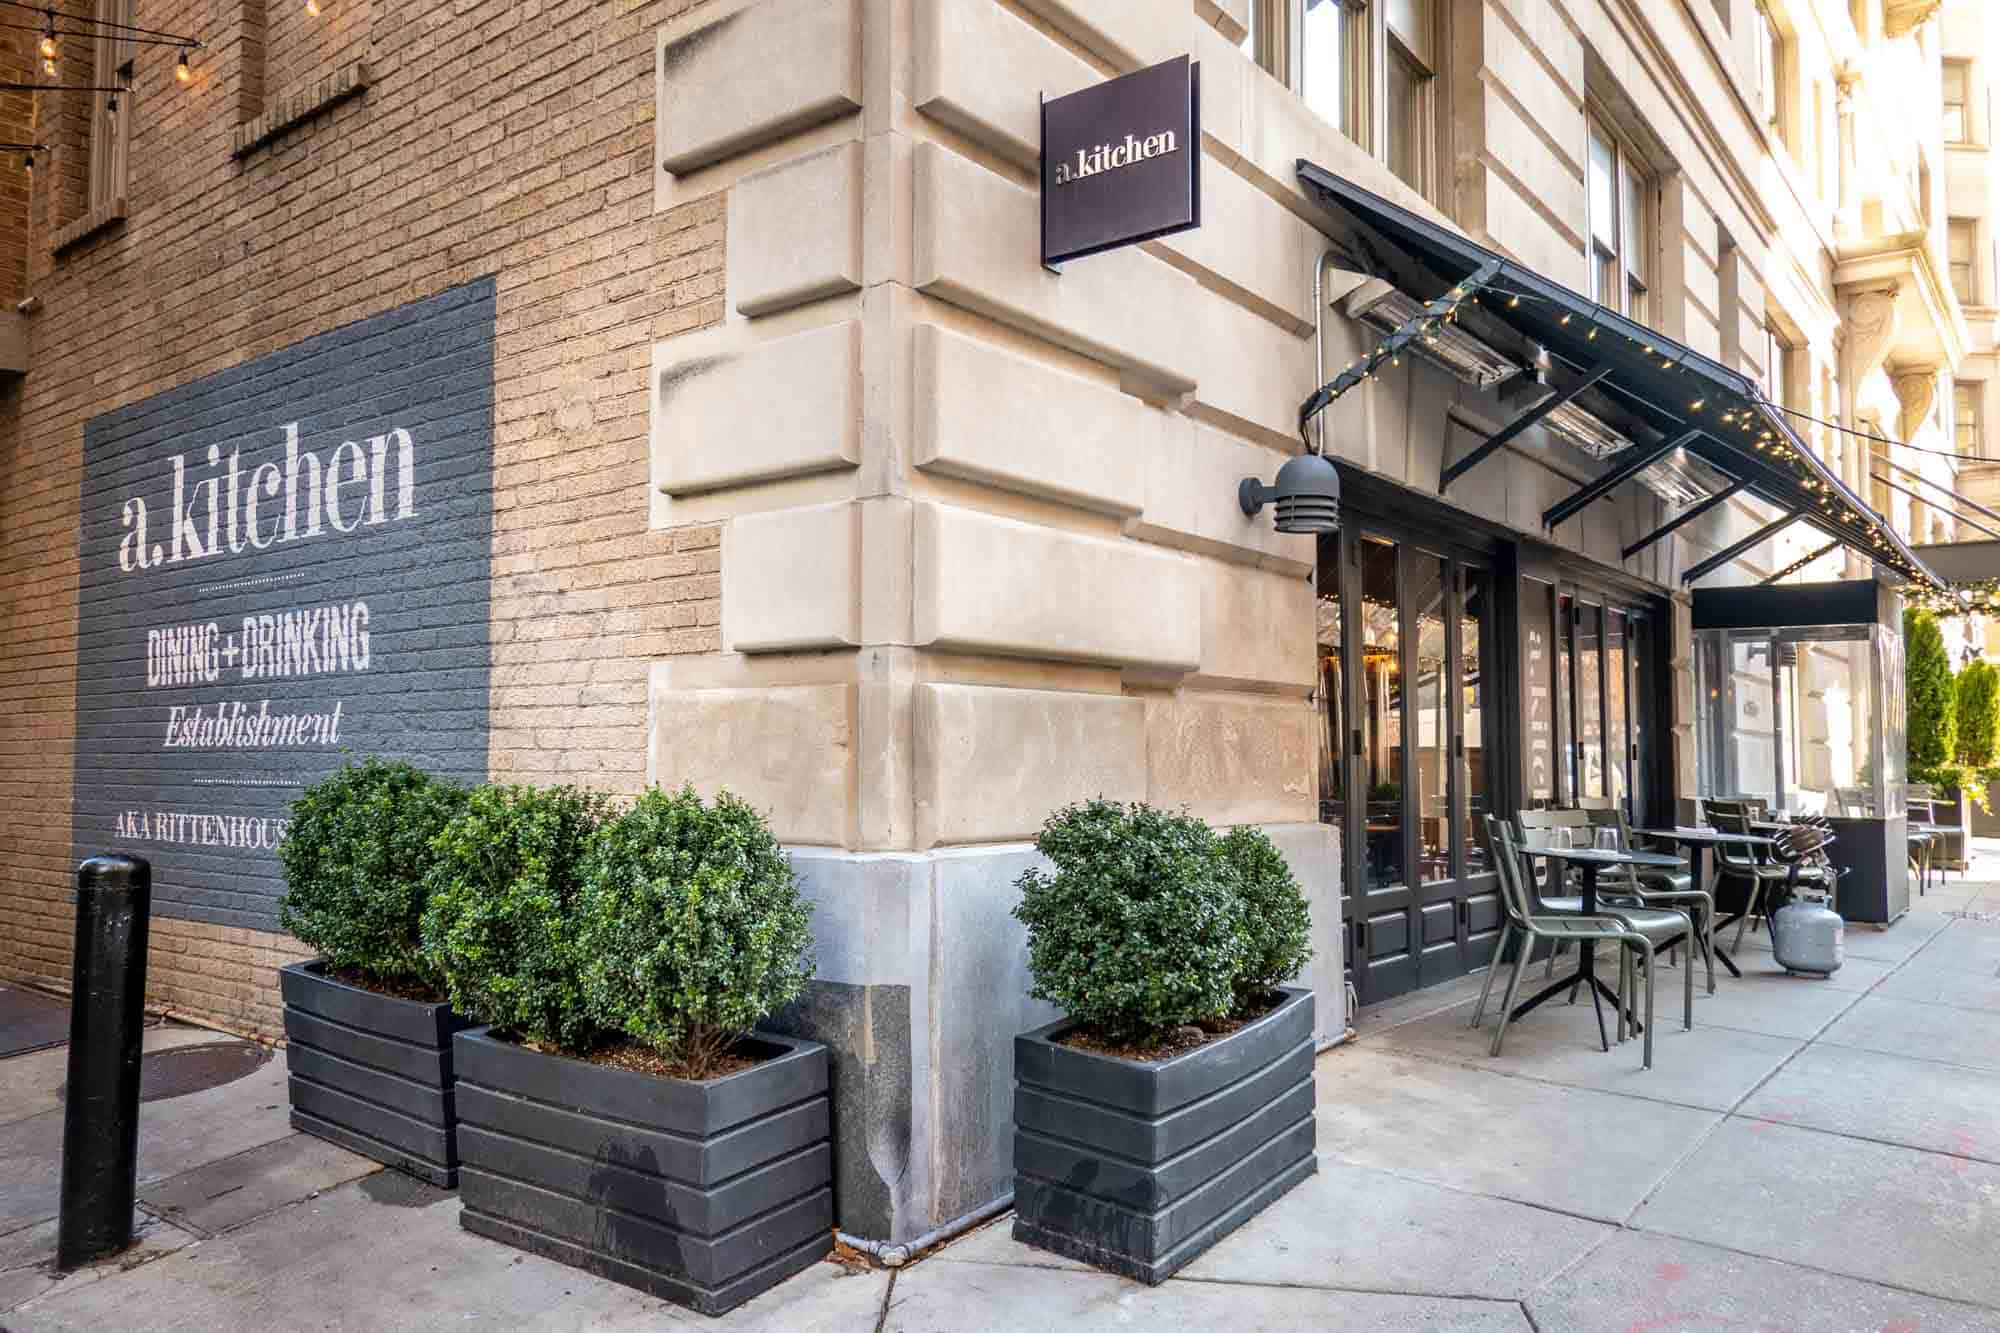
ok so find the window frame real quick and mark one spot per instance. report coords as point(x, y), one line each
point(1966, 416)
point(1771, 55)
point(1965, 122)
point(111, 113)
point(1968, 227)
point(1422, 131)
point(1628, 166)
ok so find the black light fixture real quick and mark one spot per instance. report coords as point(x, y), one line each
point(1306, 495)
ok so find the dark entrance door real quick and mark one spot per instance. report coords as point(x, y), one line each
point(1406, 691)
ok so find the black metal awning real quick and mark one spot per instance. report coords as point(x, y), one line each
point(1664, 397)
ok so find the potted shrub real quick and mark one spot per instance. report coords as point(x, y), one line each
point(619, 1113)
point(367, 1030)
point(1175, 1098)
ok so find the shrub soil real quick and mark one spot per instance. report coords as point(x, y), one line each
point(1174, 1041)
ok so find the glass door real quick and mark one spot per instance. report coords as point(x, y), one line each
point(1604, 702)
point(1403, 763)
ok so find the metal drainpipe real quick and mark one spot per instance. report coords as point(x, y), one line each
point(1319, 340)
point(896, 1255)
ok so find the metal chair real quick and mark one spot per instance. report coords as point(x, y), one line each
point(1525, 925)
point(1740, 862)
point(1664, 888)
point(1918, 806)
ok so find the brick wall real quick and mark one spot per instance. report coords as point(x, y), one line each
point(493, 139)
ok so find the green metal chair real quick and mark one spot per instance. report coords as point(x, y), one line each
point(1525, 925)
point(1659, 888)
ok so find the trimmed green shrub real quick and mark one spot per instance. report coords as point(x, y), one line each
point(357, 857)
point(1927, 682)
point(692, 926)
point(1277, 925)
point(1978, 696)
point(502, 922)
point(1139, 929)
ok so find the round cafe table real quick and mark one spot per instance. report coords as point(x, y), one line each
point(1700, 842)
point(1591, 860)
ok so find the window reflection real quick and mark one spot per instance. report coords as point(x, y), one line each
point(1381, 719)
point(1433, 718)
point(1472, 764)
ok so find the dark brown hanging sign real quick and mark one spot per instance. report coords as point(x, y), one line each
point(1121, 161)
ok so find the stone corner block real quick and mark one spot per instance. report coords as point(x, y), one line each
point(1060, 747)
point(1001, 585)
point(787, 750)
point(752, 74)
point(795, 231)
point(791, 579)
point(993, 417)
point(732, 416)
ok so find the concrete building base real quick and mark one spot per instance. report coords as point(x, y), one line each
point(922, 985)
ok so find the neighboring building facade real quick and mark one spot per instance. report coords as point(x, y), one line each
point(799, 474)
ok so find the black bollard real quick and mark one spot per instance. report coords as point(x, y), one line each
point(107, 1019)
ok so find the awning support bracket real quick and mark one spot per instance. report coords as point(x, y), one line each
point(1499, 438)
point(1592, 491)
point(1686, 516)
point(1734, 549)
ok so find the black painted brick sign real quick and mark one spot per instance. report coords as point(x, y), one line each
point(283, 565)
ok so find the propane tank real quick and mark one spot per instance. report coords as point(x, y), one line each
point(1807, 935)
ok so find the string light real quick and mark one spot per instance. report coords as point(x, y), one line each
point(181, 70)
point(48, 47)
point(312, 8)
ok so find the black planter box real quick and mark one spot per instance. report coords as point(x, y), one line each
point(704, 1194)
point(371, 1072)
point(1140, 1167)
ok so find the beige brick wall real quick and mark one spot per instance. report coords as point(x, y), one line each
point(493, 139)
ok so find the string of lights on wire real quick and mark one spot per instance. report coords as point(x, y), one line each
point(55, 25)
point(1488, 287)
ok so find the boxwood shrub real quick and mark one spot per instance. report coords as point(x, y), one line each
point(505, 907)
point(1277, 925)
point(692, 926)
point(357, 859)
point(1140, 926)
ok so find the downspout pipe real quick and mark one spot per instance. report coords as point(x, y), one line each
point(1319, 341)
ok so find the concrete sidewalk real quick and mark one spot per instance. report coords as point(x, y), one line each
point(1813, 1155)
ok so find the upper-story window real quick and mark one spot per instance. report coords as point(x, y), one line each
point(1779, 385)
point(1961, 242)
point(1620, 196)
point(1410, 86)
point(1967, 437)
point(1333, 64)
point(111, 116)
point(1369, 68)
point(1770, 69)
point(1958, 101)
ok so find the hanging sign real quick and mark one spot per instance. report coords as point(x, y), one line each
point(1121, 161)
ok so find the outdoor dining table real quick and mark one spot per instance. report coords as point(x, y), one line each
point(1700, 842)
point(1591, 860)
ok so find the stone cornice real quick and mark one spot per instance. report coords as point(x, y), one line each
point(1903, 17)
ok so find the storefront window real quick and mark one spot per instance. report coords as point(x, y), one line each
point(1381, 721)
point(1333, 737)
point(1565, 617)
point(1614, 707)
point(1433, 719)
point(1472, 760)
point(1590, 702)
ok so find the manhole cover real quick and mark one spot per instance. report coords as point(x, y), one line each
point(186, 1069)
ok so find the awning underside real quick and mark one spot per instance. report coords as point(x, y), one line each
point(1698, 432)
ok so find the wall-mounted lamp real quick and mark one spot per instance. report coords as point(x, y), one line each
point(1306, 495)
